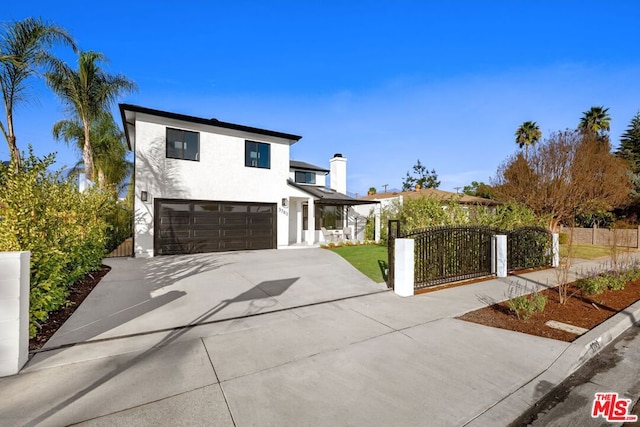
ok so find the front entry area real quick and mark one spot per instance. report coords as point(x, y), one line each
point(192, 226)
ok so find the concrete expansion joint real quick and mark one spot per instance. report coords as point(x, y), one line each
point(224, 395)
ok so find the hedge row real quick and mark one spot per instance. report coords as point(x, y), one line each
point(64, 229)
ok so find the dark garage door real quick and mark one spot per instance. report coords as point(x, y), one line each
point(188, 227)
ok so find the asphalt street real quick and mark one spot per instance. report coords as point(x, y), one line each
point(615, 369)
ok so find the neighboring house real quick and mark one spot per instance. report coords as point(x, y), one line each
point(203, 185)
point(387, 199)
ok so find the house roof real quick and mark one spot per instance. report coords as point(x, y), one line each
point(435, 194)
point(129, 108)
point(295, 164)
point(328, 196)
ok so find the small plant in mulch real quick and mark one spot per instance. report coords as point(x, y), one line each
point(526, 302)
point(595, 283)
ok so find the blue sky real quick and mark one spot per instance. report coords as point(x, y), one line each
point(383, 83)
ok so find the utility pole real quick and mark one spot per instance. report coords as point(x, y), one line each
point(385, 187)
point(457, 189)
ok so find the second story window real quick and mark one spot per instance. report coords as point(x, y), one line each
point(305, 177)
point(183, 144)
point(257, 155)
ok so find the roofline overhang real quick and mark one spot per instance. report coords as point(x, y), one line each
point(330, 201)
point(192, 119)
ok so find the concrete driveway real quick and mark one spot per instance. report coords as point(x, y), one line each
point(145, 295)
point(375, 359)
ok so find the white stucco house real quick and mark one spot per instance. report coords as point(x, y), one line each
point(203, 185)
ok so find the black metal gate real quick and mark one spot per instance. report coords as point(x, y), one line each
point(451, 253)
point(528, 247)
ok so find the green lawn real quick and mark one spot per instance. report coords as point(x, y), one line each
point(371, 260)
point(590, 251)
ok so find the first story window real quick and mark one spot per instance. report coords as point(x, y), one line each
point(327, 216)
point(305, 177)
point(257, 155)
point(183, 144)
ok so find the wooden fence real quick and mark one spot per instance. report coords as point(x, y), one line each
point(125, 249)
point(604, 236)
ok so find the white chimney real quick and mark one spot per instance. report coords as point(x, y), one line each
point(338, 173)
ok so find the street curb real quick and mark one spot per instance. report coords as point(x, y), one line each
point(573, 357)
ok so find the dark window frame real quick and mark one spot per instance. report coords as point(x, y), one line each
point(255, 147)
point(308, 177)
point(183, 149)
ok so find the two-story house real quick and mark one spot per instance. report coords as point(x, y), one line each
point(203, 185)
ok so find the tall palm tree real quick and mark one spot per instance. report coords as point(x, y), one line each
point(24, 48)
point(88, 91)
point(528, 134)
point(597, 121)
point(108, 144)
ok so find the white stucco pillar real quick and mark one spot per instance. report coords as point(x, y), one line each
point(14, 311)
point(404, 273)
point(501, 255)
point(555, 248)
point(311, 223)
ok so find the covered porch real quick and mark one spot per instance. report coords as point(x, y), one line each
point(322, 215)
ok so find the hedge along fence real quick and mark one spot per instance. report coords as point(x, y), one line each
point(65, 230)
point(425, 212)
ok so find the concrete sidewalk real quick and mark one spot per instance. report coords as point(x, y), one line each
point(371, 359)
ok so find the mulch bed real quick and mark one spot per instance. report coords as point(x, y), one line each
point(78, 292)
point(585, 311)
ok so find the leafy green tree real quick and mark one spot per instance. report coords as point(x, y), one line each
point(479, 189)
point(596, 121)
point(528, 134)
point(88, 92)
point(630, 144)
point(629, 150)
point(24, 50)
point(422, 177)
point(109, 148)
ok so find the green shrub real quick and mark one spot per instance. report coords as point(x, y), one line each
point(64, 229)
point(593, 285)
point(525, 305)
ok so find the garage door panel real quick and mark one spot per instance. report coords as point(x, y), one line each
point(210, 226)
point(174, 235)
point(234, 220)
point(206, 235)
point(260, 233)
point(214, 219)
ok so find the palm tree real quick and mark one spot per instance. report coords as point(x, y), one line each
point(24, 47)
point(88, 92)
point(596, 121)
point(108, 144)
point(528, 134)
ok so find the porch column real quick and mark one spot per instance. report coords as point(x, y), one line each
point(299, 223)
point(311, 223)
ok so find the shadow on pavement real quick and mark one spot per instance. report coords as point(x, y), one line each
point(265, 289)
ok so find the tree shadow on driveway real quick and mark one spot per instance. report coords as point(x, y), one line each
point(274, 288)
